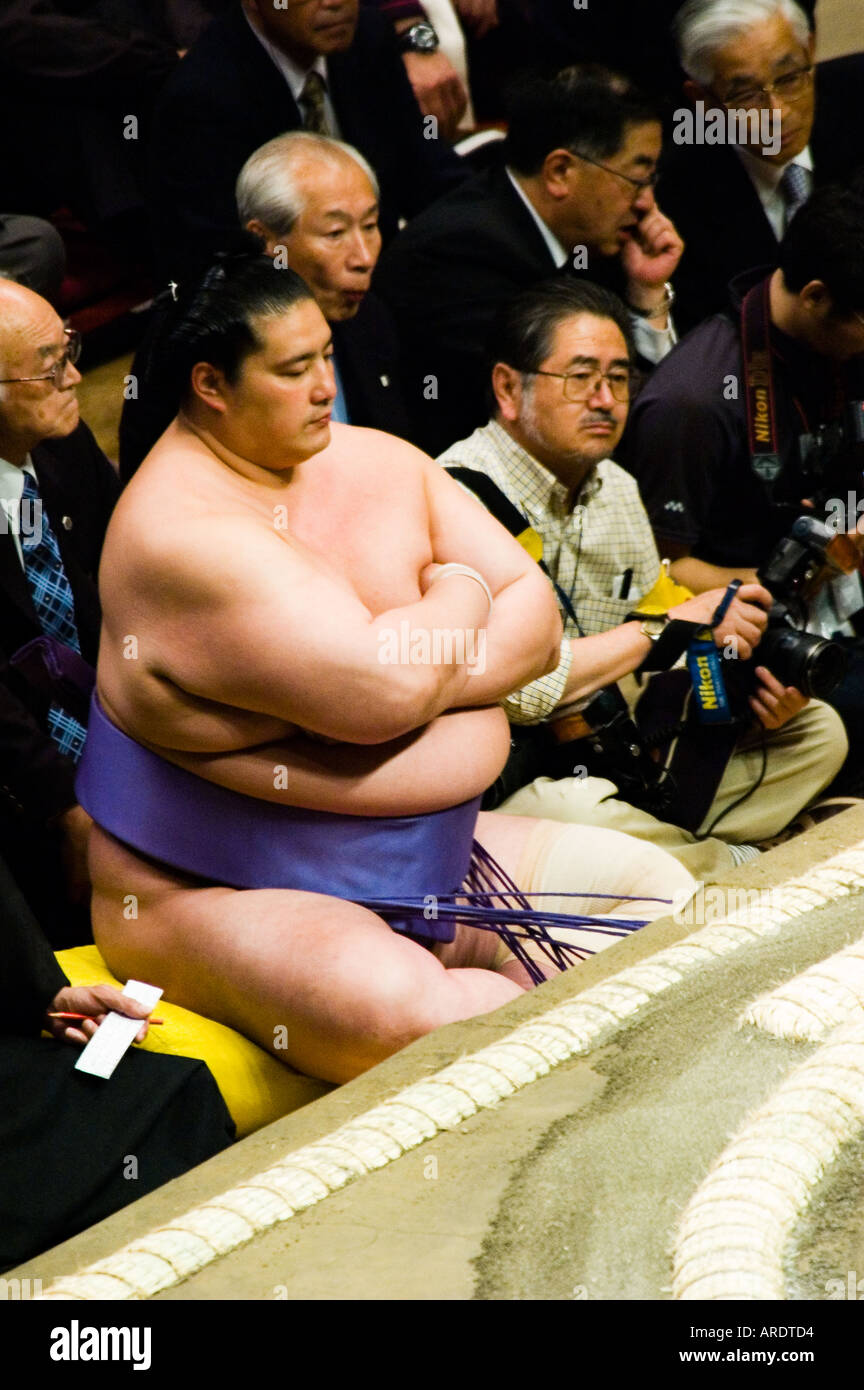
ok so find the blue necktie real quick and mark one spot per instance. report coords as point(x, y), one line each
point(795, 187)
point(339, 408)
point(51, 595)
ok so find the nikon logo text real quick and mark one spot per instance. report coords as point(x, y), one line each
point(706, 692)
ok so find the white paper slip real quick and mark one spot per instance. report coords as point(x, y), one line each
point(116, 1034)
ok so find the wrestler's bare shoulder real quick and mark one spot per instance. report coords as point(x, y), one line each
point(183, 509)
point(360, 441)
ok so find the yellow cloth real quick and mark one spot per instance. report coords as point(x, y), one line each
point(256, 1087)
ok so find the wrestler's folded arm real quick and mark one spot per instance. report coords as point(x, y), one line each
point(523, 633)
point(269, 630)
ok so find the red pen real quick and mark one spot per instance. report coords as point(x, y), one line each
point(142, 1020)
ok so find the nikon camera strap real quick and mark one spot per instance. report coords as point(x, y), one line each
point(759, 375)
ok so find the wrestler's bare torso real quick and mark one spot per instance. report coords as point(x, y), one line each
point(249, 572)
point(357, 516)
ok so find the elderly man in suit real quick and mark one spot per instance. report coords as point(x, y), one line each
point(57, 491)
point(732, 202)
point(329, 66)
point(313, 202)
point(577, 193)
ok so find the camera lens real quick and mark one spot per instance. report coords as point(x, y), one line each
point(812, 664)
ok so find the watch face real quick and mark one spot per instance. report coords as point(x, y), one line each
point(653, 627)
point(423, 38)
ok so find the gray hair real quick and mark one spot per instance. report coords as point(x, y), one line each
point(703, 26)
point(267, 188)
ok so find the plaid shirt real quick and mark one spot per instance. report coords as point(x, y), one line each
point(587, 548)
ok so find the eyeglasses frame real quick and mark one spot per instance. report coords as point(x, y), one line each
point(600, 377)
point(740, 102)
point(58, 371)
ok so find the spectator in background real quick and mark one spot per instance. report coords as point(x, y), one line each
point(636, 39)
point(313, 202)
point(57, 492)
point(732, 202)
point(577, 193)
point(328, 66)
point(716, 509)
point(32, 252)
point(77, 86)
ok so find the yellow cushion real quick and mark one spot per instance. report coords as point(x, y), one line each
point(256, 1088)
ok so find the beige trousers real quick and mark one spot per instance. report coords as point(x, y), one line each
point(802, 759)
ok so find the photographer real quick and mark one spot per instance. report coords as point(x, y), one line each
point(751, 422)
point(561, 383)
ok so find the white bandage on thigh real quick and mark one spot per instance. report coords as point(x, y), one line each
point(587, 859)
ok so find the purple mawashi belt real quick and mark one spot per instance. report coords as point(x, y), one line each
point(422, 874)
point(180, 820)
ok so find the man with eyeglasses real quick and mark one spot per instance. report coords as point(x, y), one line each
point(733, 202)
point(561, 381)
point(57, 492)
point(575, 192)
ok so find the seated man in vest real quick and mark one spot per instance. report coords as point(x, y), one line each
point(307, 630)
point(561, 382)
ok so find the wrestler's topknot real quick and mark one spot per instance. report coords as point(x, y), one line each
point(215, 322)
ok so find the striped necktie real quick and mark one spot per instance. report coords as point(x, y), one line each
point(312, 102)
point(51, 595)
point(795, 187)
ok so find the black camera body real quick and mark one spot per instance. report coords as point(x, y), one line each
point(814, 665)
point(833, 451)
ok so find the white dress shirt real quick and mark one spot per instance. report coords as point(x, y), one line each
point(765, 178)
point(296, 76)
point(651, 343)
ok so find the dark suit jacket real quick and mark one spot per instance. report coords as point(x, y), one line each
point(710, 198)
point(76, 481)
point(367, 351)
point(29, 974)
point(631, 38)
point(228, 97)
point(445, 277)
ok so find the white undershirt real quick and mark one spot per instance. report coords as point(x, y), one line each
point(11, 492)
point(651, 343)
point(296, 76)
point(765, 178)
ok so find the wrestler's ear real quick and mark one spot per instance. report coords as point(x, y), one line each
point(208, 384)
point(507, 386)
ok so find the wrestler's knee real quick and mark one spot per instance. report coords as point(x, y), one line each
point(416, 995)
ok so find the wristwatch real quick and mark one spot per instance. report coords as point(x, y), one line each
point(650, 625)
point(658, 309)
point(419, 38)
